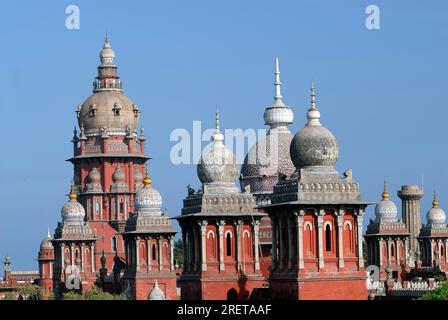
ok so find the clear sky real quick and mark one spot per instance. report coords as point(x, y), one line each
point(383, 93)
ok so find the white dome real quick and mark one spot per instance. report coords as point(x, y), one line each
point(386, 210)
point(46, 243)
point(436, 216)
point(218, 163)
point(73, 212)
point(148, 201)
point(156, 293)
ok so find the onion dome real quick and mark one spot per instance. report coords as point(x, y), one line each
point(118, 175)
point(314, 145)
point(108, 109)
point(386, 210)
point(436, 216)
point(73, 212)
point(156, 293)
point(94, 176)
point(138, 178)
point(148, 201)
point(46, 242)
point(270, 155)
point(217, 164)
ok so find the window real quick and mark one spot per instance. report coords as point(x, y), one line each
point(116, 109)
point(114, 243)
point(153, 251)
point(121, 206)
point(392, 250)
point(328, 237)
point(229, 244)
point(92, 110)
point(97, 206)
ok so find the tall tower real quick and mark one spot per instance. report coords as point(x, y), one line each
point(108, 161)
point(46, 264)
point(410, 196)
point(267, 160)
point(149, 246)
point(317, 218)
point(220, 230)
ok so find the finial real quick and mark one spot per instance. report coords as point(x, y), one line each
point(313, 114)
point(217, 120)
point(385, 194)
point(48, 232)
point(73, 192)
point(106, 41)
point(147, 182)
point(277, 83)
point(435, 202)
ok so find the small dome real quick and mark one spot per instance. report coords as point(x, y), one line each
point(73, 212)
point(138, 176)
point(386, 210)
point(156, 293)
point(217, 163)
point(436, 216)
point(314, 145)
point(46, 242)
point(148, 201)
point(107, 55)
point(94, 176)
point(118, 175)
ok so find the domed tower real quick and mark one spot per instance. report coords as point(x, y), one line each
point(149, 247)
point(46, 263)
point(316, 218)
point(220, 230)
point(433, 238)
point(74, 249)
point(387, 240)
point(108, 158)
point(267, 160)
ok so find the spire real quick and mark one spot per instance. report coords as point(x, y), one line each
point(385, 194)
point(217, 136)
point(147, 180)
point(313, 114)
point(435, 202)
point(73, 192)
point(48, 233)
point(107, 79)
point(277, 83)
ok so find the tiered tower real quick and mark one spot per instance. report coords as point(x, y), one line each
point(108, 162)
point(220, 230)
point(149, 246)
point(266, 161)
point(46, 264)
point(317, 221)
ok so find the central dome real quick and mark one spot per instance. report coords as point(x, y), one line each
point(314, 145)
point(218, 163)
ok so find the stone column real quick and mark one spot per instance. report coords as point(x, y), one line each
point(359, 219)
point(397, 251)
point(320, 224)
point(281, 241)
point(432, 251)
point(148, 253)
point(380, 243)
point(172, 253)
point(160, 240)
point(341, 238)
point(239, 226)
point(92, 258)
point(406, 251)
point(62, 258)
point(83, 249)
point(221, 245)
point(388, 250)
point(274, 243)
point(137, 253)
point(290, 225)
point(299, 243)
point(72, 254)
point(203, 226)
point(256, 246)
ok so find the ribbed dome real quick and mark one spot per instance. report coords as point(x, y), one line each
point(73, 212)
point(148, 201)
point(436, 216)
point(94, 176)
point(386, 210)
point(110, 110)
point(107, 55)
point(156, 293)
point(138, 176)
point(46, 243)
point(217, 163)
point(314, 145)
point(118, 175)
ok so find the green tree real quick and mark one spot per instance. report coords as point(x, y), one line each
point(10, 296)
point(96, 293)
point(440, 293)
point(179, 252)
point(71, 295)
point(31, 292)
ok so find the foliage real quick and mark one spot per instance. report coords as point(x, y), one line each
point(96, 293)
point(31, 292)
point(440, 293)
point(71, 295)
point(179, 252)
point(10, 296)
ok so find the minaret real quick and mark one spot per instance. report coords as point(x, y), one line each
point(410, 196)
point(107, 79)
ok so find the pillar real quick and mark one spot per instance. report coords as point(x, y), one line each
point(341, 238)
point(359, 219)
point(92, 257)
point(256, 246)
point(299, 222)
point(320, 222)
point(160, 240)
point(203, 246)
point(238, 244)
point(148, 253)
point(221, 245)
point(172, 253)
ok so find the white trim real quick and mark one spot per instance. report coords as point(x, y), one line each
point(228, 232)
point(246, 232)
point(328, 223)
point(210, 232)
point(309, 224)
point(349, 223)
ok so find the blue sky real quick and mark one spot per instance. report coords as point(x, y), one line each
point(381, 92)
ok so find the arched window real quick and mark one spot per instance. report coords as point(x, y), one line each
point(97, 206)
point(228, 244)
point(392, 250)
point(328, 237)
point(114, 243)
point(153, 251)
point(121, 206)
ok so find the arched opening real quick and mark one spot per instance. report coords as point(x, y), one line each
point(228, 244)
point(392, 250)
point(328, 237)
point(114, 243)
point(153, 251)
point(232, 295)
